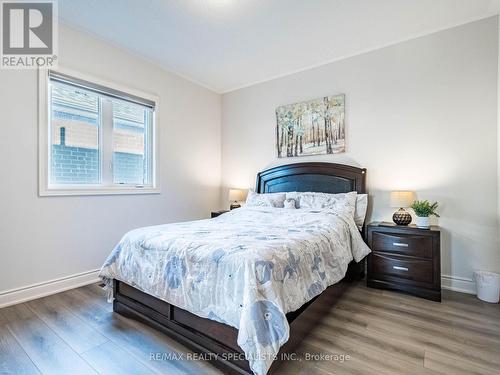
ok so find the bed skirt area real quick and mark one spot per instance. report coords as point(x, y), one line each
point(217, 342)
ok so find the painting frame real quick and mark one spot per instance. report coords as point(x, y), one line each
point(313, 127)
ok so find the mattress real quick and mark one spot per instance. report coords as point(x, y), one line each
point(246, 268)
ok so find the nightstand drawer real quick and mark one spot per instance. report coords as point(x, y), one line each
point(418, 246)
point(406, 268)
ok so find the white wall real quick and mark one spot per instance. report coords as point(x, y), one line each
point(420, 115)
point(52, 237)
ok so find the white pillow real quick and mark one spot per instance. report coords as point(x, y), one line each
point(360, 211)
point(265, 200)
point(295, 195)
point(290, 203)
point(314, 200)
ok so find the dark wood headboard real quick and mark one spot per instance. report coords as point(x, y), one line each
point(316, 177)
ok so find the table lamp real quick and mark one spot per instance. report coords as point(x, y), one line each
point(401, 200)
point(235, 196)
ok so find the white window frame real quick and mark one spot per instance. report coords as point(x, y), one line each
point(44, 146)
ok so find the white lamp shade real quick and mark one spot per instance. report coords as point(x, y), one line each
point(401, 199)
point(236, 195)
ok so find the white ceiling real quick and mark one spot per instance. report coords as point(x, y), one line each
point(229, 44)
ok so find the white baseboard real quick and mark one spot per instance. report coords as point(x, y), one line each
point(27, 293)
point(458, 284)
point(30, 292)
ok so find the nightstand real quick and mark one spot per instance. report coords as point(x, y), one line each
point(217, 213)
point(406, 259)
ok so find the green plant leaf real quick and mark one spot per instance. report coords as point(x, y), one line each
point(425, 208)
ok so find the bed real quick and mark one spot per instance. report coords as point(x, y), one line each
point(247, 289)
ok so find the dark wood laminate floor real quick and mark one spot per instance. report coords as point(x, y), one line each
point(381, 332)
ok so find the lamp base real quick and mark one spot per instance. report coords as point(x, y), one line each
point(234, 205)
point(401, 217)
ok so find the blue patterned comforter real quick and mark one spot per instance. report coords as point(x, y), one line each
point(246, 268)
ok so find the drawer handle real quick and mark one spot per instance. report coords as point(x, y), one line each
point(400, 244)
point(400, 268)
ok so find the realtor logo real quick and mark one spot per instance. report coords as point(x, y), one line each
point(29, 31)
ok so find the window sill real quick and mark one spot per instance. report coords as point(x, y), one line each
point(64, 191)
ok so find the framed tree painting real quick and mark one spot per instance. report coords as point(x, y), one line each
point(315, 127)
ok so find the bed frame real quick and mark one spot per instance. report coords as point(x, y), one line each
point(217, 342)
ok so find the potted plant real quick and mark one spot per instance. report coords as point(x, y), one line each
point(424, 209)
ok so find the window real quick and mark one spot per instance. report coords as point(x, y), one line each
point(95, 138)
